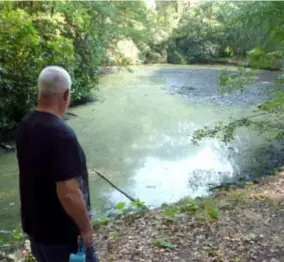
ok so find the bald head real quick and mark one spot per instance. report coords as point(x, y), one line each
point(53, 80)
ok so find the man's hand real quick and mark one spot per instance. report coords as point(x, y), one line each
point(87, 236)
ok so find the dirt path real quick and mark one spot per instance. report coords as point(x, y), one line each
point(246, 225)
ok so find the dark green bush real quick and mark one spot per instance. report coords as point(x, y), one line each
point(259, 58)
point(28, 43)
point(72, 34)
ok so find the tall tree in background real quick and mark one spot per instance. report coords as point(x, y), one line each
point(75, 35)
point(261, 26)
point(199, 36)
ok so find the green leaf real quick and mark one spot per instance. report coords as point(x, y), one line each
point(279, 135)
point(101, 220)
point(190, 207)
point(163, 243)
point(113, 234)
point(120, 206)
point(138, 204)
point(212, 211)
point(170, 212)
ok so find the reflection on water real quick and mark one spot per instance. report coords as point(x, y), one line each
point(160, 181)
point(139, 137)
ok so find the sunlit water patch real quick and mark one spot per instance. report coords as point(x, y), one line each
point(160, 181)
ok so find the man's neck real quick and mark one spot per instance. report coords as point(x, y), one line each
point(48, 109)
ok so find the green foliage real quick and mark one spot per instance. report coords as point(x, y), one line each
point(75, 35)
point(258, 31)
point(275, 103)
point(134, 206)
point(170, 212)
point(29, 258)
point(261, 27)
point(175, 57)
point(217, 29)
point(9, 241)
point(230, 82)
point(138, 204)
point(189, 206)
point(198, 208)
point(82, 36)
point(18, 41)
point(163, 243)
point(254, 56)
point(100, 221)
point(199, 36)
point(121, 209)
point(113, 235)
point(225, 132)
point(13, 241)
point(184, 206)
point(212, 211)
point(29, 41)
point(258, 58)
point(120, 206)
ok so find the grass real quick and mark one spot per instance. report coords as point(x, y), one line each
point(100, 221)
point(201, 208)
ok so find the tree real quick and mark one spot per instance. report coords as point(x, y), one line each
point(75, 35)
point(262, 25)
point(26, 48)
point(199, 36)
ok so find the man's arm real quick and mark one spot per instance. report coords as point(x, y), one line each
point(67, 169)
point(72, 200)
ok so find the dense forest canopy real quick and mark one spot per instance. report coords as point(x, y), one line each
point(83, 36)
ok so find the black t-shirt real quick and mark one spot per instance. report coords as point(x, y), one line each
point(48, 151)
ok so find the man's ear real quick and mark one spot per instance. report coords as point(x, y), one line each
point(66, 95)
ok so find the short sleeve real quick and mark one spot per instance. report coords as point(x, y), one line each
point(67, 160)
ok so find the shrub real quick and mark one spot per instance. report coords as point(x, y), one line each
point(31, 39)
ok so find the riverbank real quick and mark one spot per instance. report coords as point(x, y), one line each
point(235, 225)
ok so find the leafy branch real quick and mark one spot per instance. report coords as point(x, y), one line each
point(230, 82)
point(228, 130)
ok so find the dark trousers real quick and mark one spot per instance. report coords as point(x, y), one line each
point(59, 253)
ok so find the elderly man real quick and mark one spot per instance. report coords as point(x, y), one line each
point(53, 175)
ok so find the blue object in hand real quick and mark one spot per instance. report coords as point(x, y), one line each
point(80, 256)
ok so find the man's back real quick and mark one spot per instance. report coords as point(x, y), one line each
point(54, 191)
point(48, 152)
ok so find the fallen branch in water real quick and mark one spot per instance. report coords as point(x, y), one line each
point(132, 199)
point(71, 114)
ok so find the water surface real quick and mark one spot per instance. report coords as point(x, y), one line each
point(138, 135)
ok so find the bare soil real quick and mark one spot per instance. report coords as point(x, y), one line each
point(249, 227)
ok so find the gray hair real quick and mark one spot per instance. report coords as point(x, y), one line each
point(53, 80)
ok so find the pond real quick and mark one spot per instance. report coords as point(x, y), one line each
point(138, 135)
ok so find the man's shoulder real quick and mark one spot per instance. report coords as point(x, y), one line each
point(63, 130)
point(47, 123)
